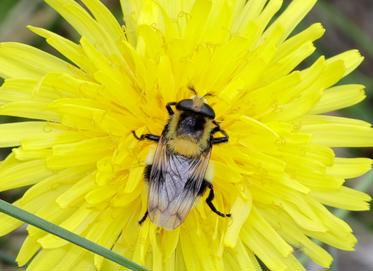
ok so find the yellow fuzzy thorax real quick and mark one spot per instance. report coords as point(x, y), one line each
point(185, 145)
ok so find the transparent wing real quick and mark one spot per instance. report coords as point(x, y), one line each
point(174, 184)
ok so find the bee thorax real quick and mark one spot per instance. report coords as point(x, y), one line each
point(184, 146)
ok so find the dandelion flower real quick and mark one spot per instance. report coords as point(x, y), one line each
point(277, 175)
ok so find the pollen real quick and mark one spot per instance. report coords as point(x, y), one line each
point(277, 176)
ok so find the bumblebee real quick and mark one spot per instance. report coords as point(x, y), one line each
point(177, 173)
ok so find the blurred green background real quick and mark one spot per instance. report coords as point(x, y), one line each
point(349, 24)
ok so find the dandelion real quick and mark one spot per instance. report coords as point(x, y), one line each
point(276, 176)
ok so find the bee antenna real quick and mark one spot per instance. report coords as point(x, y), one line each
point(192, 89)
point(208, 94)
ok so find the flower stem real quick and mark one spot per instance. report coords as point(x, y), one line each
point(40, 223)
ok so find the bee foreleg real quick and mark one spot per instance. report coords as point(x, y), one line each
point(146, 136)
point(143, 218)
point(169, 108)
point(218, 140)
point(211, 197)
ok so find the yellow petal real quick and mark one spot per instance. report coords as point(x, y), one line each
point(29, 248)
point(339, 97)
point(112, 79)
point(135, 176)
point(77, 222)
point(311, 34)
point(316, 180)
point(22, 174)
point(324, 119)
point(240, 211)
point(169, 242)
point(55, 134)
point(8, 224)
point(351, 60)
point(249, 12)
point(198, 19)
point(293, 263)
point(339, 234)
point(14, 90)
point(350, 167)
point(246, 12)
point(79, 259)
point(29, 109)
point(263, 249)
point(286, 65)
point(267, 14)
point(105, 19)
point(11, 134)
point(315, 79)
point(157, 253)
point(32, 201)
point(295, 235)
point(294, 184)
point(261, 225)
point(25, 155)
point(76, 192)
point(100, 194)
point(18, 60)
point(344, 198)
point(293, 14)
point(340, 135)
point(46, 259)
point(106, 230)
point(86, 25)
point(240, 258)
point(81, 108)
point(303, 220)
point(66, 47)
point(79, 153)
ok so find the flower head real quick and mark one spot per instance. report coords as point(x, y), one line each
point(275, 175)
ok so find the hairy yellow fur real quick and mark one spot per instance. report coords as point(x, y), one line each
point(185, 145)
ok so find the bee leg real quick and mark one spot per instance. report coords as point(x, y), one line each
point(169, 108)
point(143, 218)
point(146, 136)
point(211, 197)
point(218, 140)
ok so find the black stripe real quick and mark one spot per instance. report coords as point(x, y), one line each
point(147, 171)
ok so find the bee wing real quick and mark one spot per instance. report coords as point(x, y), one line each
point(174, 184)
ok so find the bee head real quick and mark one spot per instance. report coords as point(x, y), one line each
point(196, 105)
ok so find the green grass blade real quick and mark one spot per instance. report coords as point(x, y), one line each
point(40, 223)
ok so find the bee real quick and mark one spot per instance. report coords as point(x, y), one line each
point(177, 175)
